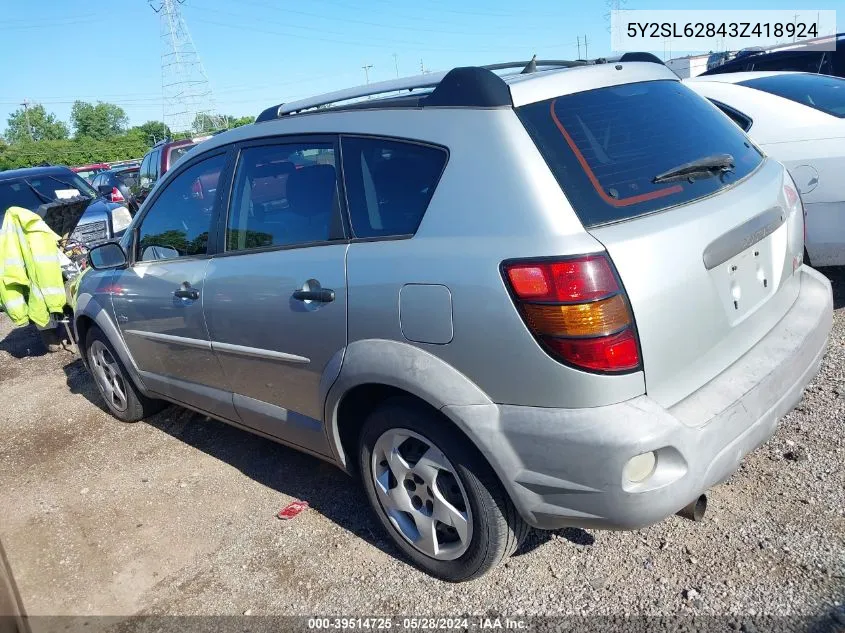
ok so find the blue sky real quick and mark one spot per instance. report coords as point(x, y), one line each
point(261, 52)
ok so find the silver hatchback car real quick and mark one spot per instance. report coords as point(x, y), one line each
point(543, 295)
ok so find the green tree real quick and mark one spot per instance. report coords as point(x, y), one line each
point(34, 124)
point(152, 131)
point(205, 123)
point(98, 121)
point(243, 120)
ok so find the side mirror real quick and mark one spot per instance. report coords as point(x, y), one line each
point(106, 256)
point(104, 190)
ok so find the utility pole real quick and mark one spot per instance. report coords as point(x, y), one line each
point(422, 67)
point(25, 105)
point(586, 52)
point(396, 64)
point(578, 42)
point(366, 68)
point(186, 91)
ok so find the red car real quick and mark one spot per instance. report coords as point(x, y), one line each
point(89, 171)
point(159, 159)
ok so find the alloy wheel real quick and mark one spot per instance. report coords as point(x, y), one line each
point(419, 490)
point(108, 375)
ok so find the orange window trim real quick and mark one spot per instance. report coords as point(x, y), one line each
point(614, 202)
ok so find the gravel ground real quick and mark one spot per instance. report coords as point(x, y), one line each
point(176, 515)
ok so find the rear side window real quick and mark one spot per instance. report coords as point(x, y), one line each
point(743, 121)
point(606, 146)
point(389, 184)
point(821, 92)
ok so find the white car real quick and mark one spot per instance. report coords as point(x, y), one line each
point(798, 119)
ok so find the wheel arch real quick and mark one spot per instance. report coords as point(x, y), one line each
point(375, 370)
point(89, 313)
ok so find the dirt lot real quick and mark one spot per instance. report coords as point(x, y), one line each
point(177, 515)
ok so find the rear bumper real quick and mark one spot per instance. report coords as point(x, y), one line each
point(563, 467)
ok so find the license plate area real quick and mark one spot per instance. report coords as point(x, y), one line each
point(749, 279)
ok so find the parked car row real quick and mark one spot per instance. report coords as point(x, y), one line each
point(810, 56)
point(90, 218)
point(798, 119)
point(532, 294)
point(119, 184)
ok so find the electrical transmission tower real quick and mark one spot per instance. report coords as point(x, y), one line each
point(185, 89)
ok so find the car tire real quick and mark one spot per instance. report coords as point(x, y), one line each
point(431, 463)
point(119, 392)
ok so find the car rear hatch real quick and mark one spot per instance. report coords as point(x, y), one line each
point(706, 259)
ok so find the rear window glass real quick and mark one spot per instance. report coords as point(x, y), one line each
point(128, 178)
point(178, 152)
point(389, 184)
point(606, 146)
point(806, 61)
point(821, 92)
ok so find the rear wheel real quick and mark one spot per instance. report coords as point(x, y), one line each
point(122, 397)
point(434, 494)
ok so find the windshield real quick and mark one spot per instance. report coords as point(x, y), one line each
point(606, 147)
point(820, 92)
point(30, 193)
point(62, 186)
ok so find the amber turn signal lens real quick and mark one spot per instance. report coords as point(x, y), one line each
point(598, 318)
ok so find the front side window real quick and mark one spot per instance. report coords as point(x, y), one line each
point(284, 195)
point(607, 147)
point(178, 223)
point(821, 92)
point(389, 184)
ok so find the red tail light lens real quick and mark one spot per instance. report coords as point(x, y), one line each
point(617, 352)
point(116, 196)
point(577, 310)
point(574, 281)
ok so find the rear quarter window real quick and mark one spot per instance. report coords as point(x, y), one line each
point(389, 184)
point(605, 147)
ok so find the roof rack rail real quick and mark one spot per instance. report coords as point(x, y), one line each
point(468, 86)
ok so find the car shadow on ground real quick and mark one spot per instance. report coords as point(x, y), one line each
point(326, 488)
point(22, 342)
point(836, 275)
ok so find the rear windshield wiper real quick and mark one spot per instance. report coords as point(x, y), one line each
point(713, 165)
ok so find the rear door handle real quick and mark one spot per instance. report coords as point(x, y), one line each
point(185, 291)
point(323, 295)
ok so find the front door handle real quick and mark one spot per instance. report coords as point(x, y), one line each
point(323, 295)
point(185, 291)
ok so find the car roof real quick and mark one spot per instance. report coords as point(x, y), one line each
point(28, 172)
point(735, 78)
